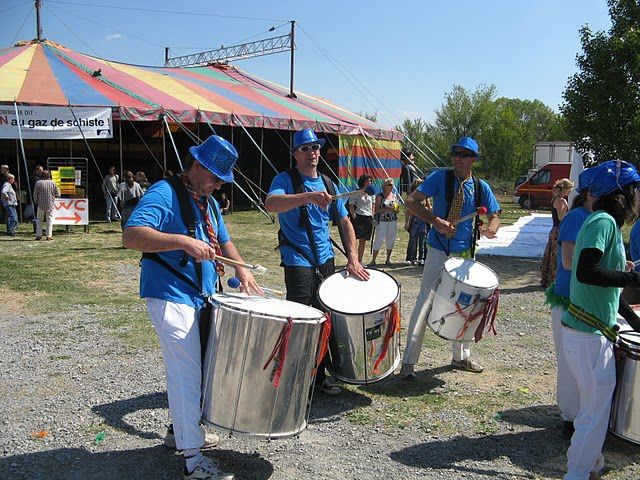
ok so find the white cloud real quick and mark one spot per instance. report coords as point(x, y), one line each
point(115, 36)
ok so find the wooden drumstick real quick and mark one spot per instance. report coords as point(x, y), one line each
point(235, 263)
point(370, 190)
point(480, 211)
point(234, 282)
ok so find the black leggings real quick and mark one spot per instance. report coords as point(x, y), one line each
point(302, 287)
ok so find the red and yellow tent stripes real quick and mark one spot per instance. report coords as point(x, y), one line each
point(45, 73)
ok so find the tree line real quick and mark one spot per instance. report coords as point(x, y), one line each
point(600, 113)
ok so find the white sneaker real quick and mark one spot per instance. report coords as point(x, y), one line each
point(211, 440)
point(407, 371)
point(207, 470)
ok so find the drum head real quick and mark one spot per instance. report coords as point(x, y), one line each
point(267, 306)
point(471, 272)
point(347, 294)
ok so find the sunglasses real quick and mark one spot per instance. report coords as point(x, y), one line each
point(459, 154)
point(306, 148)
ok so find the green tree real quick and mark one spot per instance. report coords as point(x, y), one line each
point(602, 100)
point(372, 117)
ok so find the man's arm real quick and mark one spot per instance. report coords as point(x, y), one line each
point(354, 267)
point(280, 203)
point(416, 205)
point(147, 239)
point(492, 229)
point(567, 254)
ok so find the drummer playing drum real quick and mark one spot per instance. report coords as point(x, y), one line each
point(456, 193)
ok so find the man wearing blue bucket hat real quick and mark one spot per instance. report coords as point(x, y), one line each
point(457, 195)
point(558, 297)
point(590, 320)
point(300, 198)
point(179, 273)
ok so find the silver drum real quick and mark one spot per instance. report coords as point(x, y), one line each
point(364, 345)
point(240, 369)
point(625, 409)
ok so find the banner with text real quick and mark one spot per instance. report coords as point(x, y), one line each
point(56, 123)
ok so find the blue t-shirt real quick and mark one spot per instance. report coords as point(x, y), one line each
point(296, 233)
point(159, 209)
point(569, 228)
point(634, 243)
point(434, 186)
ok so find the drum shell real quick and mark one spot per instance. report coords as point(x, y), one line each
point(356, 340)
point(442, 318)
point(354, 346)
point(625, 407)
point(238, 394)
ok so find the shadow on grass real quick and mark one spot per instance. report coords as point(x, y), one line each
point(546, 459)
point(140, 464)
point(324, 406)
point(114, 413)
point(394, 386)
point(525, 289)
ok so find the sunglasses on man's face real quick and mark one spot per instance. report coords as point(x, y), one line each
point(459, 154)
point(306, 148)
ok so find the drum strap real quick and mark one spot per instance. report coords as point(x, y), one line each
point(323, 346)
point(609, 333)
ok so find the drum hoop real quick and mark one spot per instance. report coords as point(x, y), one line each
point(279, 318)
point(626, 341)
point(444, 268)
point(362, 313)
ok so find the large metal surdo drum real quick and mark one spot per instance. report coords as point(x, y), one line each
point(625, 408)
point(364, 345)
point(463, 290)
point(260, 365)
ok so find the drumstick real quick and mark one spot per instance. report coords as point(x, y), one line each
point(234, 282)
point(369, 190)
point(235, 263)
point(636, 263)
point(480, 211)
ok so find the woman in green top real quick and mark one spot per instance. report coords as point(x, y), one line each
point(590, 323)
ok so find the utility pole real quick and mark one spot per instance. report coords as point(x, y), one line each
point(38, 25)
point(293, 47)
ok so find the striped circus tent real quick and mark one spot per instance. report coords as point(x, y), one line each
point(48, 74)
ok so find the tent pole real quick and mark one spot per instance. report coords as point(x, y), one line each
point(19, 189)
point(164, 150)
point(233, 202)
point(120, 141)
point(261, 159)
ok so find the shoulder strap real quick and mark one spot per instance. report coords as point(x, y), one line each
point(188, 217)
point(448, 189)
point(477, 192)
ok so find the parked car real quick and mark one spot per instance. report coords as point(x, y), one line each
point(536, 191)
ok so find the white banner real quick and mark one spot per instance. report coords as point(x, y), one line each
point(71, 211)
point(56, 123)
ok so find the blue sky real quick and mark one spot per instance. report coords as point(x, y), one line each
point(395, 58)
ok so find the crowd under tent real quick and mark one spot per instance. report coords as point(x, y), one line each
point(156, 113)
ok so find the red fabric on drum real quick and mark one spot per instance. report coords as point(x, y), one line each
point(392, 328)
point(323, 346)
point(279, 353)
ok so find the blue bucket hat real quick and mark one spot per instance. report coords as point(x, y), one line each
point(216, 155)
point(612, 175)
point(467, 143)
point(305, 137)
point(584, 179)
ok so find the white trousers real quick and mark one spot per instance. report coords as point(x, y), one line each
point(567, 395)
point(179, 336)
point(417, 325)
point(385, 232)
point(592, 364)
point(44, 216)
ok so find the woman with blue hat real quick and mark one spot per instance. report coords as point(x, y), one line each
point(558, 297)
point(590, 319)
